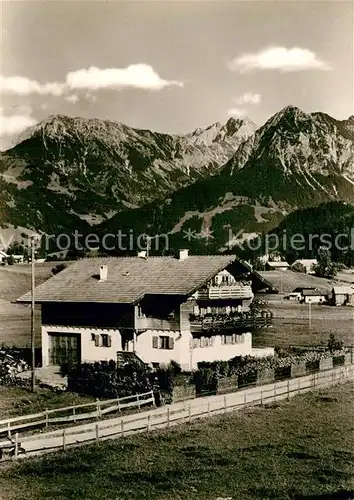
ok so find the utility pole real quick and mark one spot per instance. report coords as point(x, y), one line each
point(33, 348)
point(310, 314)
point(148, 238)
point(281, 286)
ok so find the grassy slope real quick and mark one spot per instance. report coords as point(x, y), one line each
point(15, 318)
point(16, 401)
point(298, 450)
point(288, 280)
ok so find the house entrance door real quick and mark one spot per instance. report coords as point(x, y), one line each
point(64, 348)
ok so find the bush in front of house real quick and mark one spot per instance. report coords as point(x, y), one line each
point(103, 379)
point(247, 367)
point(11, 365)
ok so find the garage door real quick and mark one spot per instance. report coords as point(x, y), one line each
point(64, 348)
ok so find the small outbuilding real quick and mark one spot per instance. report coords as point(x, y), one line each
point(343, 295)
point(277, 266)
point(313, 297)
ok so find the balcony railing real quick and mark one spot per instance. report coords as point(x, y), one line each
point(225, 292)
point(222, 322)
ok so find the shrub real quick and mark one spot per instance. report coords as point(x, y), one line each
point(58, 268)
point(104, 380)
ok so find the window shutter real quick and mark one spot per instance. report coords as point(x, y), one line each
point(109, 341)
point(155, 342)
point(170, 342)
point(97, 340)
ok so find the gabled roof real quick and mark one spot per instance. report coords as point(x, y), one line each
point(343, 290)
point(302, 288)
point(306, 262)
point(130, 278)
point(278, 264)
point(312, 293)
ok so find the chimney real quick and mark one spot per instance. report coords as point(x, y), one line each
point(142, 254)
point(103, 273)
point(183, 254)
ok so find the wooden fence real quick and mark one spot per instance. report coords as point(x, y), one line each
point(177, 413)
point(74, 413)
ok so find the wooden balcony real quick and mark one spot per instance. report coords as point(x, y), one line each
point(225, 292)
point(157, 323)
point(221, 323)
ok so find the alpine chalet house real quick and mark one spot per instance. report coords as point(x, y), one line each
point(186, 309)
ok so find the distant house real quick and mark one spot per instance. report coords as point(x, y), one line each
point(308, 264)
point(343, 295)
point(187, 309)
point(277, 266)
point(18, 259)
point(313, 297)
point(3, 256)
point(293, 296)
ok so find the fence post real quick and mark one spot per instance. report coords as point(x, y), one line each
point(16, 445)
point(98, 408)
point(138, 399)
point(46, 418)
point(64, 443)
point(118, 405)
point(9, 430)
point(122, 427)
point(189, 413)
point(74, 413)
point(275, 393)
point(148, 427)
point(153, 399)
point(97, 434)
point(168, 416)
point(299, 384)
point(225, 403)
point(261, 397)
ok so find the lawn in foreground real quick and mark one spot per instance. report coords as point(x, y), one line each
point(298, 449)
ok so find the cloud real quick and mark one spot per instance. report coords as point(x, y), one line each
point(90, 97)
point(237, 112)
point(278, 58)
point(141, 76)
point(21, 85)
point(248, 98)
point(15, 124)
point(73, 98)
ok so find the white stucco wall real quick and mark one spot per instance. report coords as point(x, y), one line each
point(314, 299)
point(149, 354)
point(222, 352)
point(184, 354)
point(89, 351)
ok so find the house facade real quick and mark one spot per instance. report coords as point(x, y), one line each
point(343, 295)
point(308, 264)
point(314, 297)
point(186, 309)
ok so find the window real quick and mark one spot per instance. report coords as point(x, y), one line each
point(103, 340)
point(232, 339)
point(140, 312)
point(203, 342)
point(162, 342)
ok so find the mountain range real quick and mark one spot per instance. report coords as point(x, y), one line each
point(66, 172)
point(72, 173)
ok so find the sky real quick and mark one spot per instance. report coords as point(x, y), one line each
point(173, 66)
